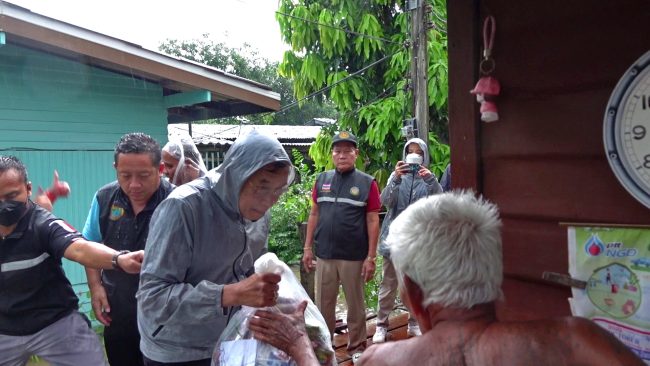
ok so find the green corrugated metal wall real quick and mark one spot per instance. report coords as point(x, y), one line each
point(60, 114)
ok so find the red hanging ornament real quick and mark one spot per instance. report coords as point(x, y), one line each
point(487, 88)
point(486, 91)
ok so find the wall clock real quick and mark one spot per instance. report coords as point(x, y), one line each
point(626, 130)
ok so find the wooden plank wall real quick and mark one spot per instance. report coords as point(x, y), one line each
point(57, 113)
point(543, 162)
point(52, 103)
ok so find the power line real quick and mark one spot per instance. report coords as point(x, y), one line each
point(380, 96)
point(215, 134)
point(322, 90)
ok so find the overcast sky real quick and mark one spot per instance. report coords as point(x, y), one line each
point(149, 22)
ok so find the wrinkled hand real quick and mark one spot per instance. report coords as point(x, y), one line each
point(258, 290)
point(131, 262)
point(99, 302)
point(368, 270)
point(308, 260)
point(283, 331)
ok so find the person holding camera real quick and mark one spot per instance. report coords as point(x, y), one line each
point(410, 181)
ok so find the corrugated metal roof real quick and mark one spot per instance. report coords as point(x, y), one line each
point(212, 134)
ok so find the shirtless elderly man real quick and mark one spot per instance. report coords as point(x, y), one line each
point(447, 252)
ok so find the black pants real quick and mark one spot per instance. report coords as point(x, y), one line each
point(206, 362)
point(122, 342)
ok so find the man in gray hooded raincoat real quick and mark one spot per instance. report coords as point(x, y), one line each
point(405, 186)
point(203, 240)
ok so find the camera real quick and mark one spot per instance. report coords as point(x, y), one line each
point(410, 128)
point(414, 161)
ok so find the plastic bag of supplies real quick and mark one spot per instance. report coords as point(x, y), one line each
point(237, 347)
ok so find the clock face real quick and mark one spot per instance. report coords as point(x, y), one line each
point(627, 130)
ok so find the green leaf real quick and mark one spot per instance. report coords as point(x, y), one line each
point(374, 103)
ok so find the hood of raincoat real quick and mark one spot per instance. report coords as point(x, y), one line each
point(247, 155)
point(182, 148)
point(423, 146)
point(401, 192)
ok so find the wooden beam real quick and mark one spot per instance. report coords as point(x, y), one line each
point(464, 127)
point(187, 98)
point(211, 110)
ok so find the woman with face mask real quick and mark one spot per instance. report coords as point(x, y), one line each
point(410, 181)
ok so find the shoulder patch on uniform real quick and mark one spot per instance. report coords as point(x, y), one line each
point(64, 225)
point(354, 191)
point(116, 213)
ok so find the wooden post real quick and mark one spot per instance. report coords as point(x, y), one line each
point(419, 66)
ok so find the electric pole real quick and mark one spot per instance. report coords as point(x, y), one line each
point(419, 66)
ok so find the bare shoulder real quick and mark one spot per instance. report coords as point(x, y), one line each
point(572, 341)
point(376, 354)
point(391, 353)
point(598, 342)
point(427, 349)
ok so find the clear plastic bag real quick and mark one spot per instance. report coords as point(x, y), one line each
point(236, 346)
point(190, 163)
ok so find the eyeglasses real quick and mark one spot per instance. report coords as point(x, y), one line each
point(343, 152)
point(266, 191)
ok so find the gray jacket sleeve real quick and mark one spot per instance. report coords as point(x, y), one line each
point(445, 181)
point(433, 186)
point(390, 193)
point(164, 297)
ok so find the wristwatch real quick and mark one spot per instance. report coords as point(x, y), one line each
point(116, 265)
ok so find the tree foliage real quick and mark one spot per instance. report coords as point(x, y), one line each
point(291, 210)
point(357, 50)
point(246, 62)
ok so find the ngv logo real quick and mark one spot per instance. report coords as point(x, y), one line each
point(595, 247)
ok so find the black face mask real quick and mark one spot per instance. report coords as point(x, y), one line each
point(11, 212)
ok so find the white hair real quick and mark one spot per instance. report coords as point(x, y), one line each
point(449, 244)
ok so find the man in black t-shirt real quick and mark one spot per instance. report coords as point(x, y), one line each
point(38, 307)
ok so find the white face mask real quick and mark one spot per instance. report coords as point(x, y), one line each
point(414, 159)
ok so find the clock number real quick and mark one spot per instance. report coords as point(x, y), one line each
point(646, 161)
point(638, 132)
point(645, 102)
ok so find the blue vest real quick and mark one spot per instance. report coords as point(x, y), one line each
point(121, 229)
